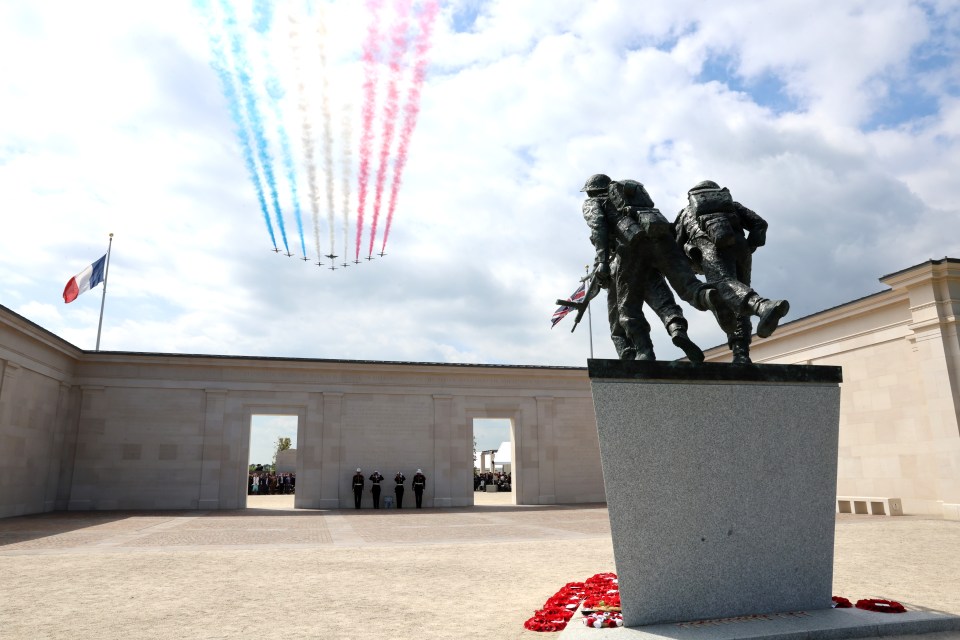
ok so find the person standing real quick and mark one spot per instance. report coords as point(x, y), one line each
point(376, 479)
point(419, 483)
point(357, 488)
point(399, 479)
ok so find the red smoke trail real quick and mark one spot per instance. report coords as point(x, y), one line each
point(411, 109)
point(398, 39)
point(370, 51)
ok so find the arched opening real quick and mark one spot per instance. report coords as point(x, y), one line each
point(494, 455)
point(272, 461)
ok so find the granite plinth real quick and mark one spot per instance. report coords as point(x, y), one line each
point(720, 490)
point(823, 624)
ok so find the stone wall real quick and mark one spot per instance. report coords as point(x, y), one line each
point(38, 417)
point(85, 430)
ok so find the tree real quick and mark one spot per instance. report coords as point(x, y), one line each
point(282, 445)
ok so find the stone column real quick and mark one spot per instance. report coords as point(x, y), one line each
point(309, 490)
point(332, 494)
point(442, 453)
point(91, 425)
point(526, 450)
point(67, 451)
point(211, 461)
point(933, 332)
point(547, 450)
point(55, 452)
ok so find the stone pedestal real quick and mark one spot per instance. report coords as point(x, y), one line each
point(721, 485)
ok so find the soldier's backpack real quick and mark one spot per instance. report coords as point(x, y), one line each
point(629, 193)
point(634, 213)
point(713, 208)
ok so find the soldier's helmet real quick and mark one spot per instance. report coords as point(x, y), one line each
point(597, 182)
point(706, 185)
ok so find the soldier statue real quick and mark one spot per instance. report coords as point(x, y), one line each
point(711, 231)
point(635, 255)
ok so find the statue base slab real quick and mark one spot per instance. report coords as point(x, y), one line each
point(823, 624)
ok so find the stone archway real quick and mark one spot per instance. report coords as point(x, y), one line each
point(489, 464)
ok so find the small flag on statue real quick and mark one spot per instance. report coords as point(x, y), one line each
point(85, 280)
point(563, 310)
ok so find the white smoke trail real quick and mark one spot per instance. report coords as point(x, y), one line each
point(325, 113)
point(306, 131)
point(346, 133)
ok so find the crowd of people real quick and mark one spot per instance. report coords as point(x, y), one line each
point(268, 483)
point(502, 480)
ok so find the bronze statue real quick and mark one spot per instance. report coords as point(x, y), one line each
point(711, 231)
point(635, 255)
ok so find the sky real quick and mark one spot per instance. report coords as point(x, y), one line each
point(266, 429)
point(838, 122)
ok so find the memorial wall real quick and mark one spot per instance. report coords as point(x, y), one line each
point(111, 430)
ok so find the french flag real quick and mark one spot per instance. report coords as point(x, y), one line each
point(85, 280)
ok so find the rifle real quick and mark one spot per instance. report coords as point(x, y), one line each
point(590, 291)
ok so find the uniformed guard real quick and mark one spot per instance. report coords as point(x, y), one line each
point(357, 488)
point(376, 479)
point(399, 479)
point(419, 483)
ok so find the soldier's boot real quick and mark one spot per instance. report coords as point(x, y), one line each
point(709, 298)
point(644, 347)
point(769, 312)
point(628, 354)
point(741, 351)
point(678, 333)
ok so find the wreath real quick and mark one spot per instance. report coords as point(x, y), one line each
point(606, 602)
point(559, 608)
point(540, 624)
point(549, 619)
point(601, 620)
point(882, 606)
point(839, 602)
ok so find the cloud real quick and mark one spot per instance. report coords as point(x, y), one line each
point(118, 125)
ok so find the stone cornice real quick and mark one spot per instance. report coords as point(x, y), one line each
point(932, 269)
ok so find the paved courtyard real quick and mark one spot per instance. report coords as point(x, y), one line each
point(272, 571)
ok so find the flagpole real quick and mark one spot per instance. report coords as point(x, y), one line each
point(103, 299)
point(589, 318)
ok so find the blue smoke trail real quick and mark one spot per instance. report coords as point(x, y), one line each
point(262, 15)
point(275, 92)
point(241, 67)
point(262, 19)
point(220, 66)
